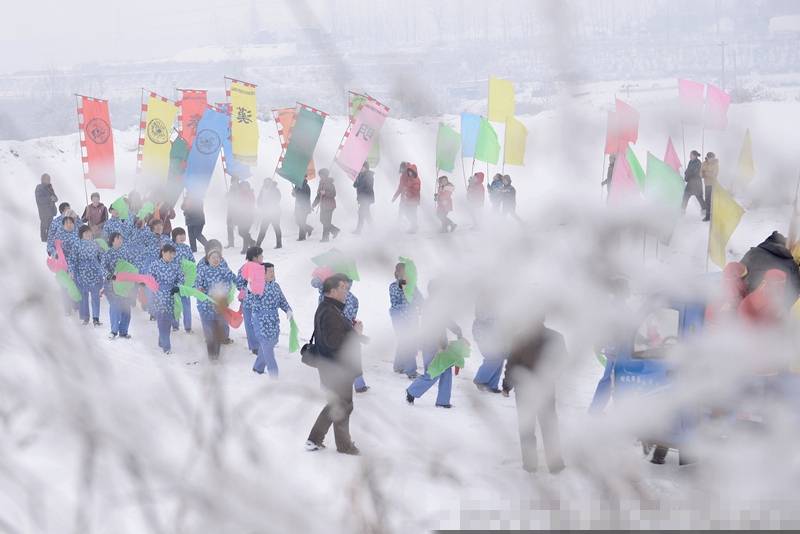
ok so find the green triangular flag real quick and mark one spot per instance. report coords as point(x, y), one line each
point(232, 294)
point(636, 168)
point(189, 272)
point(123, 289)
point(338, 262)
point(101, 243)
point(148, 208)
point(453, 355)
point(177, 306)
point(411, 278)
point(121, 205)
point(487, 147)
point(188, 291)
point(664, 186)
point(448, 143)
point(294, 334)
point(69, 284)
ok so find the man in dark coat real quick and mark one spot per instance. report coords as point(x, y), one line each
point(195, 218)
point(772, 254)
point(46, 203)
point(302, 207)
point(269, 211)
point(694, 182)
point(365, 195)
point(232, 202)
point(531, 369)
point(338, 364)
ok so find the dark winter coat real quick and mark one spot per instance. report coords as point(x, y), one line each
point(772, 254)
point(193, 212)
point(538, 354)
point(326, 195)
point(95, 217)
point(334, 334)
point(46, 201)
point(692, 171)
point(302, 199)
point(269, 202)
point(364, 184)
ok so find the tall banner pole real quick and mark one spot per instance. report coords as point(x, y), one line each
point(80, 145)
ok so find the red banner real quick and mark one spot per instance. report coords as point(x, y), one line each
point(191, 106)
point(97, 142)
point(628, 122)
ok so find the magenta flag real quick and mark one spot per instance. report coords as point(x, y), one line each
point(146, 279)
point(691, 98)
point(613, 142)
point(627, 122)
point(359, 137)
point(671, 156)
point(717, 103)
point(623, 184)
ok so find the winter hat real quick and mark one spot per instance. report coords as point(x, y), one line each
point(324, 173)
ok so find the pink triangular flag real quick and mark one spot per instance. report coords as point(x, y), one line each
point(717, 103)
point(623, 184)
point(254, 273)
point(691, 94)
point(59, 263)
point(628, 121)
point(146, 279)
point(671, 157)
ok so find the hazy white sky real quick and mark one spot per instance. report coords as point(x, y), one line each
point(56, 33)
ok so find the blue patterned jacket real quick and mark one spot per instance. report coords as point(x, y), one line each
point(215, 282)
point(84, 260)
point(115, 224)
point(265, 311)
point(168, 275)
point(399, 305)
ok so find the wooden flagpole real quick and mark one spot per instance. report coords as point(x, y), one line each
point(80, 145)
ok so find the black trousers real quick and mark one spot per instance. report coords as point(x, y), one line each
point(44, 226)
point(275, 222)
point(693, 189)
point(326, 218)
point(304, 228)
point(709, 190)
point(535, 404)
point(195, 232)
point(364, 216)
point(339, 386)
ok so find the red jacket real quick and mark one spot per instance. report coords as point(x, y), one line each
point(409, 188)
point(444, 198)
point(764, 306)
point(476, 193)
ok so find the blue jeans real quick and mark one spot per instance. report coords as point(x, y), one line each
point(405, 358)
point(423, 383)
point(119, 312)
point(602, 394)
point(84, 306)
point(359, 382)
point(252, 339)
point(186, 312)
point(491, 369)
point(164, 322)
point(266, 357)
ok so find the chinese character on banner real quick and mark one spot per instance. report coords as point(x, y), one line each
point(366, 132)
point(244, 115)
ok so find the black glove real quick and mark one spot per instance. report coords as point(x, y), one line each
point(401, 283)
point(111, 277)
point(174, 291)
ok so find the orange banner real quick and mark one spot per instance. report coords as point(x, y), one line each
point(97, 142)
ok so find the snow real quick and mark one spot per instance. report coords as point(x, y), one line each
point(115, 436)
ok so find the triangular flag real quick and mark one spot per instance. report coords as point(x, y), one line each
point(717, 103)
point(664, 186)
point(725, 216)
point(746, 169)
point(516, 139)
point(448, 141)
point(470, 126)
point(636, 168)
point(623, 186)
point(627, 121)
point(691, 95)
point(488, 147)
point(294, 335)
point(501, 99)
point(671, 157)
point(411, 278)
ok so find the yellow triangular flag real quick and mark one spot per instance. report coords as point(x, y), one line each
point(516, 138)
point(747, 169)
point(725, 216)
point(501, 99)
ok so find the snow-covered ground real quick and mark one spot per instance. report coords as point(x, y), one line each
point(106, 436)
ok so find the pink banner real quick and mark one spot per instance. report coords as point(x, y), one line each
point(360, 135)
point(254, 273)
point(691, 95)
point(613, 142)
point(671, 157)
point(627, 122)
point(623, 184)
point(717, 102)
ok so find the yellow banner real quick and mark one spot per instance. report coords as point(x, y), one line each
point(157, 126)
point(244, 126)
point(516, 138)
point(501, 99)
point(725, 217)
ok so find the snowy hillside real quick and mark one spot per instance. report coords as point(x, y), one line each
point(113, 436)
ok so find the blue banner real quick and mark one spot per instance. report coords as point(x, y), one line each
point(470, 126)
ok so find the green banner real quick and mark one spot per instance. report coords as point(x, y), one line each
point(305, 134)
point(488, 147)
point(448, 143)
